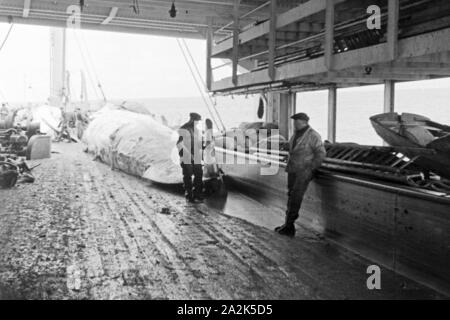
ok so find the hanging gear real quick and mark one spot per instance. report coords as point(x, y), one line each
point(261, 105)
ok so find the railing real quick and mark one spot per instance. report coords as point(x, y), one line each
point(241, 17)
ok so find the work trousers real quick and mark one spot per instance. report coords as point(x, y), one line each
point(297, 185)
point(190, 170)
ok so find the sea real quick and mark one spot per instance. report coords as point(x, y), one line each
point(354, 108)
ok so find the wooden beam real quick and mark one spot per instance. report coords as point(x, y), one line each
point(272, 38)
point(112, 15)
point(329, 34)
point(392, 28)
point(209, 43)
point(389, 96)
point(26, 8)
point(332, 108)
point(109, 27)
point(296, 14)
point(235, 56)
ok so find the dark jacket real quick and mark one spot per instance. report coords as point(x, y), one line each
point(190, 143)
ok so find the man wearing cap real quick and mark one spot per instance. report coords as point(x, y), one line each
point(306, 153)
point(190, 149)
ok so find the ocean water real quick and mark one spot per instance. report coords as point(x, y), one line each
point(354, 108)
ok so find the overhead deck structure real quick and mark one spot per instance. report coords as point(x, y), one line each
point(296, 44)
point(336, 42)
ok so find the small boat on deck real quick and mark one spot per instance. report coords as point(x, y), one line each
point(417, 134)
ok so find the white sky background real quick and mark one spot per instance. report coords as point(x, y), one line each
point(128, 66)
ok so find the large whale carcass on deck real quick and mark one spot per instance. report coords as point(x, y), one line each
point(134, 143)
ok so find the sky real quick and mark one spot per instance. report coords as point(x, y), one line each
point(128, 66)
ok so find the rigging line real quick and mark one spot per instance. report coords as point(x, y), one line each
point(7, 36)
point(204, 84)
point(92, 82)
point(213, 103)
point(90, 60)
point(197, 83)
point(2, 95)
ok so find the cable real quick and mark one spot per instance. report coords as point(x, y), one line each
point(93, 66)
point(86, 65)
point(7, 36)
point(204, 83)
point(197, 82)
point(1, 47)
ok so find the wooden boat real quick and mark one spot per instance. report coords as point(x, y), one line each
point(416, 132)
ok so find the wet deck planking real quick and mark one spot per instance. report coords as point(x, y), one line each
point(83, 231)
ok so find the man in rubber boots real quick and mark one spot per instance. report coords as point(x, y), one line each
point(190, 149)
point(306, 154)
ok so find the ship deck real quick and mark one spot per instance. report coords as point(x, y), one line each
point(82, 231)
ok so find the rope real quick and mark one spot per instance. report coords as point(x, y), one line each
point(7, 36)
point(204, 84)
point(92, 82)
point(1, 47)
point(93, 67)
point(197, 82)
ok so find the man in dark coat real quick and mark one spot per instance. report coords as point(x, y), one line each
point(190, 149)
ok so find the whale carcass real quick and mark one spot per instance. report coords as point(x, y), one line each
point(134, 143)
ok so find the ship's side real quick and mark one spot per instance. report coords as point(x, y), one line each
point(403, 228)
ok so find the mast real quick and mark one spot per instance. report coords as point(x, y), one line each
point(58, 90)
point(83, 91)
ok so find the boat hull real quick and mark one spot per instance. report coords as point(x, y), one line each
point(439, 162)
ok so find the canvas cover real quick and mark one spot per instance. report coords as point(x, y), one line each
point(134, 143)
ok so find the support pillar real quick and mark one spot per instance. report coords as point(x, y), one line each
point(392, 28)
point(272, 38)
point(57, 66)
point(209, 44)
point(280, 108)
point(332, 106)
point(235, 53)
point(329, 34)
point(389, 96)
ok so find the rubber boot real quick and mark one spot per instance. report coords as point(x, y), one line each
point(287, 230)
point(198, 197)
point(189, 197)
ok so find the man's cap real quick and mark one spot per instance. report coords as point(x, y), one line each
point(195, 116)
point(300, 116)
